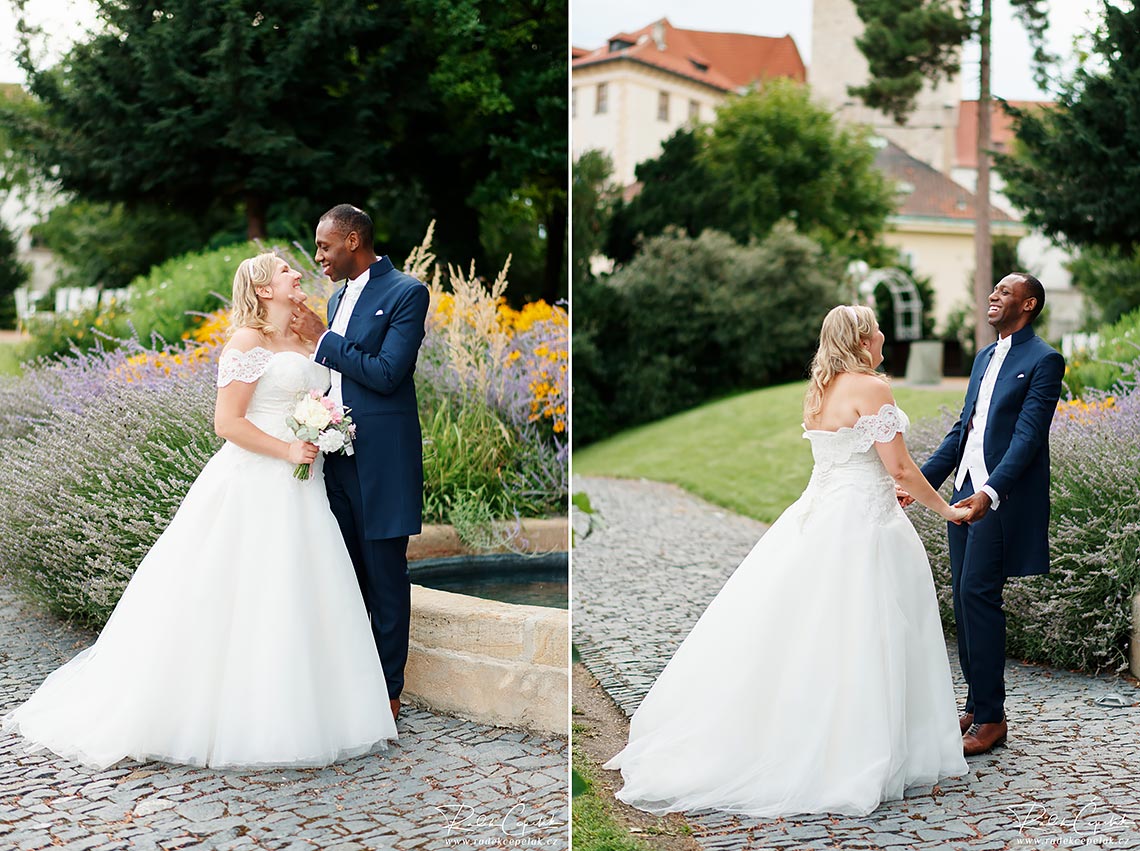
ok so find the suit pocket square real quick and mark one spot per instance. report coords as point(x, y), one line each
point(1021, 375)
point(379, 312)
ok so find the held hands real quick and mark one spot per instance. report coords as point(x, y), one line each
point(306, 324)
point(976, 505)
point(956, 514)
point(301, 452)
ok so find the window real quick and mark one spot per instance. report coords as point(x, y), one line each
point(662, 106)
point(602, 105)
point(694, 111)
point(574, 102)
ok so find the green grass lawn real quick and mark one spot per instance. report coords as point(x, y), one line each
point(10, 358)
point(595, 823)
point(745, 452)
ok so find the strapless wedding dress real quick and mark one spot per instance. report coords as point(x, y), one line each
point(242, 638)
point(817, 680)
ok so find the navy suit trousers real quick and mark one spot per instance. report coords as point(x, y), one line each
point(977, 582)
point(381, 569)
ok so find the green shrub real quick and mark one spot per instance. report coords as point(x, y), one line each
point(1111, 368)
point(1110, 277)
point(83, 330)
point(164, 301)
point(691, 319)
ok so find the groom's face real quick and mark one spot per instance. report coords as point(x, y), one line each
point(334, 250)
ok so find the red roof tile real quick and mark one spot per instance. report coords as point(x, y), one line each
point(925, 192)
point(726, 61)
point(1001, 129)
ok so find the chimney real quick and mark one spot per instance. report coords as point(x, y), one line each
point(659, 34)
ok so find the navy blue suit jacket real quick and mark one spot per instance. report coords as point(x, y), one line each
point(376, 358)
point(1016, 446)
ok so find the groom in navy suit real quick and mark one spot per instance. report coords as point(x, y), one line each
point(1000, 449)
point(375, 327)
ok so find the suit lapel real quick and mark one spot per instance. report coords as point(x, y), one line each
point(334, 301)
point(369, 299)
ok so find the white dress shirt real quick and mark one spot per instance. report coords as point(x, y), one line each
point(973, 461)
point(340, 324)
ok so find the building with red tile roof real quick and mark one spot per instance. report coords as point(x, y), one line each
point(638, 88)
point(933, 225)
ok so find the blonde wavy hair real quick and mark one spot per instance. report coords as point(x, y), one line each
point(841, 338)
point(246, 309)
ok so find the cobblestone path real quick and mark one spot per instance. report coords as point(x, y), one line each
point(447, 783)
point(1069, 777)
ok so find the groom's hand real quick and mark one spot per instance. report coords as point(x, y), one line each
point(903, 497)
point(305, 323)
point(978, 504)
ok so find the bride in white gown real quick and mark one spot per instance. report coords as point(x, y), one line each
point(817, 679)
point(242, 638)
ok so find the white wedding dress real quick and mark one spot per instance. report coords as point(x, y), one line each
point(817, 679)
point(242, 639)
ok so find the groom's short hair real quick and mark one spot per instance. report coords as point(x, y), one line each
point(347, 218)
point(1033, 289)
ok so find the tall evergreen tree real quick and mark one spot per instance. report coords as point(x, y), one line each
point(412, 109)
point(1073, 168)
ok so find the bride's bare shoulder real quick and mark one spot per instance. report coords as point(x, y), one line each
point(244, 339)
point(867, 393)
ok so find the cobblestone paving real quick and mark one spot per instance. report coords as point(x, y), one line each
point(446, 783)
point(1069, 777)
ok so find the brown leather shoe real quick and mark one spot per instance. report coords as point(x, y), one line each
point(964, 722)
point(982, 738)
point(395, 704)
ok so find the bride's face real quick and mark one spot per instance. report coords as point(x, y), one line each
point(284, 286)
point(875, 346)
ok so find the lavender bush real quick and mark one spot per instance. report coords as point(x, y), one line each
point(1080, 614)
point(84, 496)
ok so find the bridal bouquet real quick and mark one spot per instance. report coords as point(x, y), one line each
point(319, 420)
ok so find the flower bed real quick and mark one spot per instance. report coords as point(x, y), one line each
point(101, 446)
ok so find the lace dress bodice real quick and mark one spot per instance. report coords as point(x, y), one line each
point(846, 461)
point(281, 378)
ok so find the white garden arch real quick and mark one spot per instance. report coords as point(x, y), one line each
point(905, 300)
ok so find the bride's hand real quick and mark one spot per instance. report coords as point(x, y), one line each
point(956, 515)
point(301, 452)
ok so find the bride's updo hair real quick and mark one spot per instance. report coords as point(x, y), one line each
point(247, 310)
point(845, 329)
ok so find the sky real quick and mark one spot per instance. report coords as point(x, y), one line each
point(63, 20)
point(594, 21)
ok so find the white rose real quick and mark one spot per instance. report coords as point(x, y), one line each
point(310, 412)
point(330, 441)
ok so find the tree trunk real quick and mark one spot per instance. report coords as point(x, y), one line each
point(983, 252)
point(555, 251)
point(255, 214)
